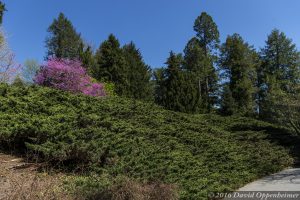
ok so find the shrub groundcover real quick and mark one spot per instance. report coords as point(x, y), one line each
point(115, 137)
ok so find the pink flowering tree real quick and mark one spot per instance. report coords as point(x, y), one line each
point(68, 75)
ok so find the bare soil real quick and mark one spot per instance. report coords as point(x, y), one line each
point(20, 180)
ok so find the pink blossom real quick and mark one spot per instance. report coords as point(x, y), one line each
point(68, 75)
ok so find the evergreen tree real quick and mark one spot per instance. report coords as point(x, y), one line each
point(87, 58)
point(279, 72)
point(287, 106)
point(139, 74)
point(171, 82)
point(2, 10)
point(239, 62)
point(159, 87)
point(111, 65)
point(199, 61)
point(202, 73)
point(64, 41)
point(207, 32)
point(228, 106)
point(190, 93)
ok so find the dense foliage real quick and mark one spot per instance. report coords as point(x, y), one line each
point(86, 56)
point(63, 40)
point(194, 88)
point(207, 37)
point(239, 62)
point(115, 136)
point(104, 139)
point(235, 79)
point(68, 75)
point(198, 67)
point(111, 65)
point(288, 109)
point(174, 90)
point(279, 73)
point(138, 74)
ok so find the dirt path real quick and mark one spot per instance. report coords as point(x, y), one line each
point(21, 180)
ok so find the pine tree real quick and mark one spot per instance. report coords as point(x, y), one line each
point(159, 87)
point(199, 61)
point(190, 93)
point(287, 106)
point(139, 74)
point(64, 41)
point(170, 82)
point(228, 106)
point(111, 65)
point(202, 73)
point(207, 32)
point(87, 58)
point(279, 72)
point(239, 62)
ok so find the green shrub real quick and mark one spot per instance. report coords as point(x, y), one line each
point(142, 141)
point(110, 89)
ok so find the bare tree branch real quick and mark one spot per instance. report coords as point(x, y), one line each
point(8, 66)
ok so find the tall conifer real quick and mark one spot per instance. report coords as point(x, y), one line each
point(111, 65)
point(139, 74)
point(63, 41)
point(239, 62)
point(279, 72)
point(199, 62)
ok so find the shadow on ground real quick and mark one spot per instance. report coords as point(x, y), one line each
point(287, 140)
point(280, 136)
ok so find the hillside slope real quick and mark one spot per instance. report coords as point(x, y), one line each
point(115, 136)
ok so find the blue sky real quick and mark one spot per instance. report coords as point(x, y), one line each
point(156, 26)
